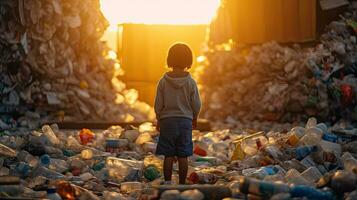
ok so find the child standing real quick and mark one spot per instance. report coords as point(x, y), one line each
point(177, 105)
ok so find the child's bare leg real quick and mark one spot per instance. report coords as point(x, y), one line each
point(168, 162)
point(183, 167)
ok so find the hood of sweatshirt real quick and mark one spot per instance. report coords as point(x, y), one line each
point(177, 82)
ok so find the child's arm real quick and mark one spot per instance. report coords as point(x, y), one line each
point(159, 102)
point(196, 105)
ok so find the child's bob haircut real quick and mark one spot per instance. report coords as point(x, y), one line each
point(179, 56)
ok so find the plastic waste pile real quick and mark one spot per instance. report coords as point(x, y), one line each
point(53, 64)
point(313, 161)
point(281, 83)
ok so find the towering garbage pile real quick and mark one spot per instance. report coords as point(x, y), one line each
point(281, 83)
point(54, 66)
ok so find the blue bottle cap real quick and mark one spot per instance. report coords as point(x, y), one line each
point(45, 159)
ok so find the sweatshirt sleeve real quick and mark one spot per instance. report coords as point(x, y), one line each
point(159, 100)
point(195, 101)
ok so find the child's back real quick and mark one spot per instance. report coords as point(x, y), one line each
point(177, 96)
point(177, 105)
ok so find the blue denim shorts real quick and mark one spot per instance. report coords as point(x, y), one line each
point(175, 137)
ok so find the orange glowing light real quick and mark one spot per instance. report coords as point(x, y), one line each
point(159, 11)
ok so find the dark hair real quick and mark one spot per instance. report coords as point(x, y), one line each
point(179, 56)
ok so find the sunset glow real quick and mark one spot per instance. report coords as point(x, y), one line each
point(159, 11)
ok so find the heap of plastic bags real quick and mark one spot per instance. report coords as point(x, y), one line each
point(313, 161)
point(52, 63)
point(273, 82)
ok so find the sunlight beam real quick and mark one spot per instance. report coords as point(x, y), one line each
point(159, 11)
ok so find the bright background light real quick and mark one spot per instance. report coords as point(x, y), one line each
point(159, 11)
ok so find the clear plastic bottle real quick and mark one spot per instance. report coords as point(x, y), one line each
point(121, 169)
point(7, 151)
point(45, 172)
point(129, 187)
point(253, 186)
point(312, 174)
point(312, 136)
point(27, 157)
point(50, 135)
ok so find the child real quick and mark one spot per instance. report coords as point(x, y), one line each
point(177, 105)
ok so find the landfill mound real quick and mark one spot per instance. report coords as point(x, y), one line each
point(280, 83)
point(313, 161)
point(53, 64)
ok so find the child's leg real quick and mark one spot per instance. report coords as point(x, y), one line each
point(183, 167)
point(168, 162)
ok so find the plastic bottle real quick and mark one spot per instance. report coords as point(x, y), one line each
point(262, 188)
point(116, 143)
point(149, 147)
point(192, 195)
point(312, 174)
point(350, 164)
point(87, 154)
point(294, 177)
point(330, 137)
point(98, 166)
point(202, 178)
point(309, 193)
point(199, 151)
point(112, 195)
point(210, 159)
point(129, 187)
point(153, 160)
point(312, 136)
point(52, 194)
point(66, 190)
point(45, 172)
point(86, 136)
point(45, 160)
point(50, 135)
point(58, 165)
point(263, 172)
point(142, 138)
point(131, 135)
point(343, 181)
point(7, 151)
point(303, 151)
point(151, 173)
point(27, 157)
point(23, 169)
point(311, 122)
point(122, 169)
